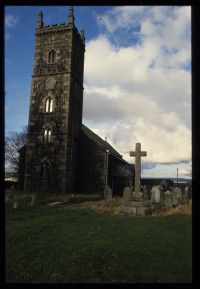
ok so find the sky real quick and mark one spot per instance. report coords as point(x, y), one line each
point(137, 77)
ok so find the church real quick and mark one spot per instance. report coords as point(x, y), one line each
point(62, 155)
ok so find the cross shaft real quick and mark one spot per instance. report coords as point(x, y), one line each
point(138, 154)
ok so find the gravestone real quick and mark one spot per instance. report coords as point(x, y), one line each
point(127, 194)
point(188, 192)
point(33, 199)
point(176, 196)
point(107, 193)
point(174, 200)
point(155, 194)
point(178, 192)
point(15, 203)
point(145, 193)
point(168, 199)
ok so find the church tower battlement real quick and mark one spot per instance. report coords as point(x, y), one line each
point(56, 102)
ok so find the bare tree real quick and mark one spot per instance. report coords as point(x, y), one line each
point(14, 141)
point(189, 173)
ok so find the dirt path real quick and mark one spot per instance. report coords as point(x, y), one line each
point(81, 204)
point(86, 203)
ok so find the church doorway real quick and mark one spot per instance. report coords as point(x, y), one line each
point(46, 177)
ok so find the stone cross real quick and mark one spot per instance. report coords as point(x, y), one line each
point(137, 154)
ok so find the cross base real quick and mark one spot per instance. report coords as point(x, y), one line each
point(137, 196)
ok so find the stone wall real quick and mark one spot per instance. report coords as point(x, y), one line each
point(91, 169)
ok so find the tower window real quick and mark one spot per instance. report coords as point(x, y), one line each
point(52, 56)
point(49, 105)
point(45, 169)
point(47, 135)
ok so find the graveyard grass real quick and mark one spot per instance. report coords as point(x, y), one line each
point(79, 245)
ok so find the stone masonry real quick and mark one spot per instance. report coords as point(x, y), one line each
point(55, 115)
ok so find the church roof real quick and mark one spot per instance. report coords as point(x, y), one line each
point(101, 142)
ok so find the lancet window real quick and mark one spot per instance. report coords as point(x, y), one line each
point(49, 105)
point(45, 169)
point(52, 56)
point(47, 135)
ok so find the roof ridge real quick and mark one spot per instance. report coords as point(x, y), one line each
point(105, 143)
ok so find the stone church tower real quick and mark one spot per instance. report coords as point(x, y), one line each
point(56, 101)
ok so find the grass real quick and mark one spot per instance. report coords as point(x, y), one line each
point(80, 245)
point(23, 199)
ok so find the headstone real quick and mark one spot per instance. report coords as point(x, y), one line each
point(166, 184)
point(127, 194)
point(179, 193)
point(107, 193)
point(145, 193)
point(186, 195)
point(188, 192)
point(168, 199)
point(176, 196)
point(155, 194)
point(7, 198)
point(15, 204)
point(174, 200)
point(33, 198)
point(145, 189)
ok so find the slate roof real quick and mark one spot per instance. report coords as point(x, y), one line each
point(88, 132)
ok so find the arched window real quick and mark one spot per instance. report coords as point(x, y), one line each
point(45, 169)
point(49, 105)
point(47, 135)
point(52, 56)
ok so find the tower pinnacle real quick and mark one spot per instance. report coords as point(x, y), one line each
point(71, 16)
point(82, 34)
point(40, 20)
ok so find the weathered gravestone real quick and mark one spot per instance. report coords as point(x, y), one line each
point(127, 194)
point(33, 199)
point(168, 199)
point(145, 193)
point(178, 193)
point(176, 196)
point(155, 194)
point(188, 192)
point(107, 193)
point(166, 184)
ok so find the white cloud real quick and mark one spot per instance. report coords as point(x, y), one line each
point(10, 21)
point(142, 92)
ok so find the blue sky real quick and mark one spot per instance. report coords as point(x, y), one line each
point(20, 23)
point(137, 77)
